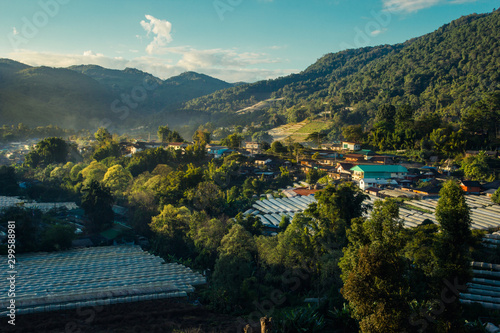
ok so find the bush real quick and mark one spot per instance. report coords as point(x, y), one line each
point(304, 319)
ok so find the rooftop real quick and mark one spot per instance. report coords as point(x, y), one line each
point(95, 276)
point(379, 168)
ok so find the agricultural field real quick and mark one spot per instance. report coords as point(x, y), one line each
point(298, 132)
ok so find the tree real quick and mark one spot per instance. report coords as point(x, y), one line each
point(97, 202)
point(48, 151)
point(387, 113)
point(94, 171)
point(317, 137)
point(353, 133)
point(483, 116)
point(208, 197)
point(277, 147)
point(32, 159)
point(262, 137)
point(57, 237)
point(117, 179)
point(232, 140)
point(338, 205)
point(496, 196)
point(107, 149)
point(453, 257)
point(373, 270)
point(476, 167)
point(201, 137)
point(8, 180)
point(75, 173)
point(171, 227)
point(175, 137)
point(163, 133)
point(28, 227)
point(251, 223)
point(232, 278)
point(439, 138)
point(207, 235)
point(314, 175)
point(284, 223)
point(102, 135)
point(403, 117)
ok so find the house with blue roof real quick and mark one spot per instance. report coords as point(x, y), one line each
point(376, 171)
point(218, 151)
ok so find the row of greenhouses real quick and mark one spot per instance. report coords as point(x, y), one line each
point(485, 214)
point(95, 276)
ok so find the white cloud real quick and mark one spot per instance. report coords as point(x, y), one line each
point(193, 59)
point(228, 65)
point(277, 47)
point(92, 54)
point(410, 6)
point(378, 32)
point(14, 31)
point(162, 30)
point(33, 58)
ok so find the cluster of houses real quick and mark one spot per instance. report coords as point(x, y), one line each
point(376, 174)
point(15, 152)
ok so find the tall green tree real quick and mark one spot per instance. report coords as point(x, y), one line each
point(171, 227)
point(232, 279)
point(453, 255)
point(97, 202)
point(102, 135)
point(163, 133)
point(373, 271)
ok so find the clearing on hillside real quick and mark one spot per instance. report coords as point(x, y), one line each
point(298, 132)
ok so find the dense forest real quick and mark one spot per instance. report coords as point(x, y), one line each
point(442, 73)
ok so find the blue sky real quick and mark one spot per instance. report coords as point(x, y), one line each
point(234, 40)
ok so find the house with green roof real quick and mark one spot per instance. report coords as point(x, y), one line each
point(378, 171)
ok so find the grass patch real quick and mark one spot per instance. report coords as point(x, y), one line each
point(314, 126)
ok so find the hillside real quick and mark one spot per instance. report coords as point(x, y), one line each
point(444, 72)
point(85, 96)
point(163, 93)
point(42, 96)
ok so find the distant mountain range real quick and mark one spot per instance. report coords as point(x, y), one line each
point(443, 72)
point(87, 96)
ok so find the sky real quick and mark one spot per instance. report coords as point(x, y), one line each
point(233, 40)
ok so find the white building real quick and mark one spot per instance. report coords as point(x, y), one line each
point(351, 145)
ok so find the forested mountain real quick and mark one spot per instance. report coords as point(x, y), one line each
point(444, 72)
point(85, 96)
point(38, 96)
point(161, 93)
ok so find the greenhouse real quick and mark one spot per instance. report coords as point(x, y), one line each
point(94, 276)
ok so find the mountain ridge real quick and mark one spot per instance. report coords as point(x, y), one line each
point(84, 96)
point(442, 72)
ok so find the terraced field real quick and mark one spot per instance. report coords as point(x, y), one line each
point(298, 132)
